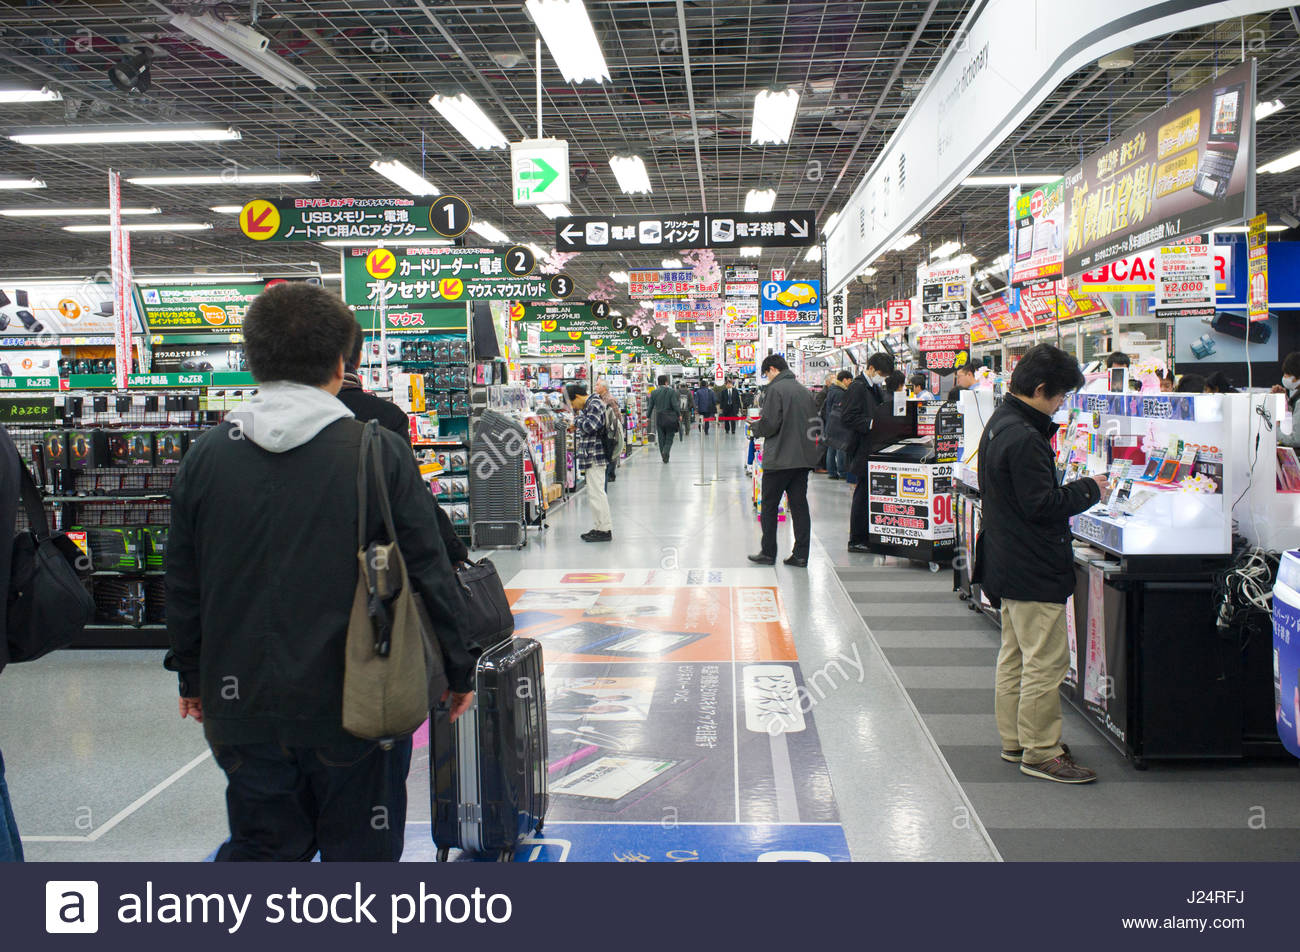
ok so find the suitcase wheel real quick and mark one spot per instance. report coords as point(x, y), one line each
point(442, 854)
point(506, 856)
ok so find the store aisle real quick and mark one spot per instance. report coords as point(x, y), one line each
point(658, 739)
point(945, 656)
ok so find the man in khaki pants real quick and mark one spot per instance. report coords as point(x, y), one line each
point(1024, 559)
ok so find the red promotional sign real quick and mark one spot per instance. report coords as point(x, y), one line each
point(898, 314)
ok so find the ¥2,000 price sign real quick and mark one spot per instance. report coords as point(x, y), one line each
point(1185, 281)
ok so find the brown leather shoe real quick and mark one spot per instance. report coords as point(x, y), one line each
point(1061, 769)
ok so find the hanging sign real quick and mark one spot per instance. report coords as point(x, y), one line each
point(197, 307)
point(433, 275)
point(740, 281)
point(790, 302)
point(1185, 281)
point(669, 284)
point(944, 340)
point(539, 171)
point(1038, 233)
point(898, 314)
point(873, 320)
point(775, 229)
point(343, 218)
point(1257, 268)
point(839, 314)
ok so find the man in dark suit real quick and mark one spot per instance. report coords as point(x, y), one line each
point(729, 405)
point(860, 403)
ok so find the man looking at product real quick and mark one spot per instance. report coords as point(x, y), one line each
point(729, 405)
point(261, 575)
point(590, 422)
point(665, 415)
point(860, 402)
point(1024, 561)
point(614, 428)
point(788, 428)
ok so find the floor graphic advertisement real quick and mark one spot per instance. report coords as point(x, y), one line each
point(677, 727)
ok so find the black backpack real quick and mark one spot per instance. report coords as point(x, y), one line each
point(48, 605)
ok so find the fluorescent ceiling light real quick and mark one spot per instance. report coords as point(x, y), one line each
point(619, 277)
point(760, 199)
point(830, 222)
point(117, 136)
point(1265, 109)
point(385, 242)
point(631, 174)
point(814, 253)
point(44, 94)
point(332, 276)
point(774, 116)
point(1242, 229)
point(226, 209)
point(1284, 164)
point(867, 272)
point(490, 231)
point(232, 177)
point(401, 174)
point(964, 259)
point(151, 226)
point(245, 46)
point(1033, 178)
point(71, 212)
point(569, 36)
point(750, 251)
point(615, 313)
point(538, 253)
point(555, 210)
point(195, 278)
point(671, 263)
point(905, 242)
point(465, 116)
point(945, 249)
point(21, 183)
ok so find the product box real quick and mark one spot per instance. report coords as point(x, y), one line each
point(131, 448)
point(170, 447)
point(87, 449)
point(153, 547)
point(56, 450)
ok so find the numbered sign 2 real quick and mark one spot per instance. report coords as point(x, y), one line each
point(520, 261)
point(450, 216)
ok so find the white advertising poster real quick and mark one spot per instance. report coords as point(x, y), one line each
point(1008, 58)
point(1185, 281)
point(61, 309)
point(29, 363)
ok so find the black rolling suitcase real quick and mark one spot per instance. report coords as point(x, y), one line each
point(488, 770)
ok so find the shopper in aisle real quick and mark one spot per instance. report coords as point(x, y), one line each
point(1219, 382)
point(833, 430)
point(788, 428)
point(665, 415)
point(11, 845)
point(365, 407)
point(590, 422)
point(965, 380)
point(1290, 386)
point(261, 577)
point(1190, 383)
point(920, 385)
point(730, 404)
point(706, 404)
point(860, 402)
point(615, 438)
point(887, 426)
point(1024, 560)
point(1115, 360)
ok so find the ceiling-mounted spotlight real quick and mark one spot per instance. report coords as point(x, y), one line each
point(132, 75)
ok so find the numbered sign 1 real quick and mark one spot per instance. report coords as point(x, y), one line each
point(520, 261)
point(561, 286)
point(450, 216)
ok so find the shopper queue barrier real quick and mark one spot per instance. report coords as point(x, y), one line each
point(705, 479)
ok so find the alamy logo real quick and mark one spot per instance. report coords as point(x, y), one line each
point(71, 906)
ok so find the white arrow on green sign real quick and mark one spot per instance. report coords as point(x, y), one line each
point(540, 171)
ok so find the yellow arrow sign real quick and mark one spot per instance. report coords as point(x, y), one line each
point(381, 263)
point(259, 220)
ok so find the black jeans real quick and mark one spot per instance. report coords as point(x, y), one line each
point(860, 514)
point(347, 801)
point(706, 425)
point(793, 484)
point(729, 426)
point(665, 438)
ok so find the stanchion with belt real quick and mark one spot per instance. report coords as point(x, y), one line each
point(717, 452)
point(707, 480)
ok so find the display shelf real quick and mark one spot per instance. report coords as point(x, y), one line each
point(110, 498)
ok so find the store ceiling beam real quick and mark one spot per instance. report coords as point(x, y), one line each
point(690, 100)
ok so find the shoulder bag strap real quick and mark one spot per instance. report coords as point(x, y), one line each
point(363, 493)
point(381, 484)
point(32, 502)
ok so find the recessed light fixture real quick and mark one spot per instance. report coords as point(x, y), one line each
point(44, 94)
point(671, 263)
point(490, 231)
point(1242, 229)
point(945, 249)
point(830, 222)
point(1283, 164)
point(246, 47)
point(814, 253)
point(567, 30)
point(760, 199)
point(905, 242)
point(464, 115)
point(750, 251)
point(17, 184)
point(774, 114)
point(631, 173)
point(231, 177)
point(619, 277)
point(72, 212)
point(151, 226)
point(196, 277)
point(1265, 109)
point(118, 136)
point(384, 242)
point(402, 175)
point(226, 209)
point(554, 210)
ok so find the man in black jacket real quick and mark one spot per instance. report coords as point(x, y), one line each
point(1025, 560)
point(860, 403)
point(261, 573)
point(730, 403)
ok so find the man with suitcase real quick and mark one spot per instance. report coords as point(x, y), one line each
point(261, 576)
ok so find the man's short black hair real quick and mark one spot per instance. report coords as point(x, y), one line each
point(1048, 367)
point(882, 363)
point(918, 380)
point(844, 375)
point(894, 381)
point(1291, 364)
point(297, 332)
point(576, 390)
point(1117, 359)
point(1190, 383)
point(663, 380)
point(354, 355)
point(774, 360)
